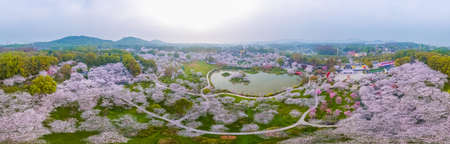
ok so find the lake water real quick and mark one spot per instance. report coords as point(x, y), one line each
point(260, 84)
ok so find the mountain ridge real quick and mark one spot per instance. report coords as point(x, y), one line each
point(82, 40)
point(136, 42)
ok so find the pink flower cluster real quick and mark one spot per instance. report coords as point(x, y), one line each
point(338, 100)
point(332, 94)
point(337, 112)
point(348, 113)
point(356, 105)
point(323, 106)
point(312, 113)
point(318, 91)
point(353, 95)
point(328, 111)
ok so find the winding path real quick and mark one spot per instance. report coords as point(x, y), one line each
point(178, 123)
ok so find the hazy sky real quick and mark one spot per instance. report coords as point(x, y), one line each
point(425, 21)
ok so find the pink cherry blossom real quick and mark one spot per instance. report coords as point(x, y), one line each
point(400, 110)
point(312, 113)
point(337, 112)
point(323, 106)
point(348, 113)
point(356, 105)
point(332, 94)
point(353, 95)
point(338, 100)
point(318, 91)
point(347, 107)
point(328, 111)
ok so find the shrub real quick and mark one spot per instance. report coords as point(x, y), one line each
point(226, 74)
point(206, 90)
point(182, 105)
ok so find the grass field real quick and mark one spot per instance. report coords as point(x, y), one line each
point(66, 112)
point(447, 87)
point(198, 66)
point(68, 138)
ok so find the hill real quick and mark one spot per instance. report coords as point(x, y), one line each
point(134, 41)
point(73, 41)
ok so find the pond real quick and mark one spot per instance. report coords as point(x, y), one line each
point(259, 84)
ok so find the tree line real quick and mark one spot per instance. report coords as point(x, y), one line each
point(25, 64)
point(316, 60)
point(92, 57)
point(437, 60)
point(31, 63)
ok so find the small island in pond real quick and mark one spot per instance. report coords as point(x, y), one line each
point(238, 77)
point(226, 74)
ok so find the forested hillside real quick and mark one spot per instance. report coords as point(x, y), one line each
point(30, 63)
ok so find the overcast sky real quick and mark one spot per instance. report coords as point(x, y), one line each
point(426, 21)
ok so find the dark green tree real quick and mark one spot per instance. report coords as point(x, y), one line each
point(131, 64)
point(42, 85)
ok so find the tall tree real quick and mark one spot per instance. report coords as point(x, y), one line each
point(90, 59)
point(131, 64)
point(147, 63)
point(280, 61)
point(42, 85)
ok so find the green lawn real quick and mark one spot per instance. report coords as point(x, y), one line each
point(143, 84)
point(68, 138)
point(207, 122)
point(189, 77)
point(253, 139)
point(198, 66)
point(301, 92)
point(116, 112)
point(65, 112)
point(236, 98)
point(283, 118)
point(13, 88)
point(166, 79)
point(447, 86)
point(237, 126)
point(276, 70)
point(155, 135)
point(301, 130)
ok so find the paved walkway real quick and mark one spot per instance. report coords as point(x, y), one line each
point(178, 123)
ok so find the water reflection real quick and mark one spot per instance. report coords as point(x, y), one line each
point(260, 83)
